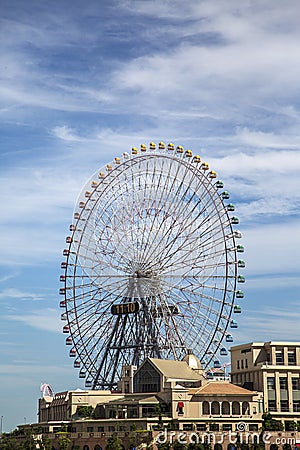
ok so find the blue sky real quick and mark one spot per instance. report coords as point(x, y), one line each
point(81, 82)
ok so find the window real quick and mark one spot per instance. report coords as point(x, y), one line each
point(148, 411)
point(201, 427)
point(245, 408)
point(187, 427)
point(100, 430)
point(205, 408)
point(111, 428)
point(272, 405)
point(242, 363)
point(284, 406)
point(227, 427)
point(283, 384)
point(279, 357)
point(246, 363)
point(90, 429)
point(225, 408)
point(180, 406)
point(270, 383)
point(236, 409)
point(213, 427)
point(215, 408)
point(238, 364)
point(253, 427)
point(132, 412)
point(112, 414)
point(147, 379)
point(291, 356)
point(296, 406)
point(296, 384)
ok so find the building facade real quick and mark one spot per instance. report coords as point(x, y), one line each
point(272, 368)
point(179, 397)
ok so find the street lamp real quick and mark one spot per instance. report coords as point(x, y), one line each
point(1, 424)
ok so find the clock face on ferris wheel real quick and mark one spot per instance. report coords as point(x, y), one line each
point(152, 265)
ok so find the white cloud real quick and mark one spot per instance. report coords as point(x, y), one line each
point(272, 249)
point(17, 294)
point(46, 319)
point(66, 134)
point(264, 282)
point(270, 324)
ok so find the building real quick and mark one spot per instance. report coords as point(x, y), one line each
point(159, 393)
point(272, 368)
point(178, 396)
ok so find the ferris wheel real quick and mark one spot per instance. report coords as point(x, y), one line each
point(152, 265)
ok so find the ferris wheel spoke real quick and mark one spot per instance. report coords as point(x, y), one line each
point(171, 246)
point(185, 214)
point(166, 194)
point(163, 190)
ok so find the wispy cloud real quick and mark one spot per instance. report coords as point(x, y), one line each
point(17, 294)
point(47, 319)
point(271, 323)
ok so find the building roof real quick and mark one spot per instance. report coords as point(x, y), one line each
point(266, 344)
point(221, 388)
point(175, 370)
point(135, 398)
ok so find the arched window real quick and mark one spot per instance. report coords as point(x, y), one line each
point(236, 409)
point(286, 446)
point(86, 447)
point(225, 408)
point(245, 408)
point(205, 408)
point(231, 447)
point(215, 408)
point(97, 447)
point(273, 447)
point(217, 447)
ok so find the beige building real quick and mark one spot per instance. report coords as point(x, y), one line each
point(157, 394)
point(177, 396)
point(274, 369)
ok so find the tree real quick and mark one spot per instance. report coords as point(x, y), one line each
point(64, 442)
point(85, 411)
point(9, 442)
point(165, 446)
point(113, 443)
point(179, 446)
point(270, 424)
point(45, 443)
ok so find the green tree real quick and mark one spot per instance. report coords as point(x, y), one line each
point(270, 424)
point(165, 446)
point(85, 411)
point(9, 442)
point(179, 446)
point(113, 443)
point(64, 442)
point(45, 443)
